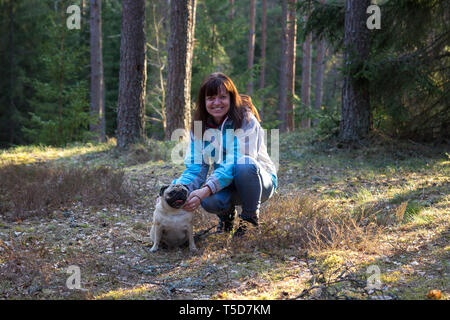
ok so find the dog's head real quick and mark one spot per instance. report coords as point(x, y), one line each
point(174, 195)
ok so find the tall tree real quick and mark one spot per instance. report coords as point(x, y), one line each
point(263, 54)
point(306, 79)
point(180, 52)
point(83, 8)
point(12, 107)
point(231, 9)
point(291, 48)
point(283, 82)
point(133, 74)
point(355, 114)
point(158, 91)
point(319, 67)
point(61, 72)
point(97, 81)
point(251, 46)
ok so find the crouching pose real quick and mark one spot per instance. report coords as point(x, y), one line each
point(226, 134)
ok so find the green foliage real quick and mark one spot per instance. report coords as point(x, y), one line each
point(111, 23)
point(409, 65)
point(60, 103)
point(408, 69)
point(18, 40)
point(72, 126)
point(50, 81)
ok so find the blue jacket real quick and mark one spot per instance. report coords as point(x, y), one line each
point(247, 141)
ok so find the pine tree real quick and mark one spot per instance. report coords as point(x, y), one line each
point(133, 73)
point(97, 80)
point(180, 51)
point(251, 46)
point(262, 75)
point(292, 37)
point(306, 80)
point(59, 107)
point(284, 65)
point(355, 114)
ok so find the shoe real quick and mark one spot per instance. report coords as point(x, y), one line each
point(244, 224)
point(226, 222)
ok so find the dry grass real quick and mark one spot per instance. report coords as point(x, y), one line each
point(34, 190)
point(308, 223)
point(25, 266)
point(345, 207)
point(153, 150)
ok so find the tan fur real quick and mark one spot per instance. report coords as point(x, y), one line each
point(171, 226)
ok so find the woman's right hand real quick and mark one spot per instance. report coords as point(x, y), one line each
point(195, 198)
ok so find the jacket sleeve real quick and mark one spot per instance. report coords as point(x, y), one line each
point(196, 169)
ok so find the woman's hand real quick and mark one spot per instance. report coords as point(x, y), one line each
point(195, 198)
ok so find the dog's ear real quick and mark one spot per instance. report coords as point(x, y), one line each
point(163, 188)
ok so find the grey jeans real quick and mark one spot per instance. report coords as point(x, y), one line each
point(252, 185)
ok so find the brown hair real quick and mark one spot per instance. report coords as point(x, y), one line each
point(238, 103)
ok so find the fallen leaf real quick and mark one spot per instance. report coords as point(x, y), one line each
point(434, 294)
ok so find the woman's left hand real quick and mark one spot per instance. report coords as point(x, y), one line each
point(195, 198)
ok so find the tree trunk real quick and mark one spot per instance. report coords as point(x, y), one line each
point(320, 67)
point(231, 9)
point(180, 52)
point(306, 80)
point(161, 66)
point(61, 72)
point(263, 54)
point(319, 73)
point(282, 89)
point(83, 8)
point(291, 47)
point(12, 110)
point(251, 46)
point(333, 76)
point(97, 81)
point(355, 114)
point(132, 75)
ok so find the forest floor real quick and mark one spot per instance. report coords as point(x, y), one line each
point(365, 222)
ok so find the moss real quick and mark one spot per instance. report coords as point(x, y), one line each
point(137, 293)
point(333, 261)
point(393, 277)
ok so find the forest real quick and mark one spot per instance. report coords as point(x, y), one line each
point(92, 92)
point(290, 56)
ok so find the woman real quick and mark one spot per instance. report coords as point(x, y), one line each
point(243, 173)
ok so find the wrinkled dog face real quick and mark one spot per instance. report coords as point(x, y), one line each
point(175, 195)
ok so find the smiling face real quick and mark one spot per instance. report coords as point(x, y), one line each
point(218, 105)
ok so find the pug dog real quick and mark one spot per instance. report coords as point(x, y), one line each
point(172, 226)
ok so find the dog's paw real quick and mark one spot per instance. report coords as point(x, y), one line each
point(193, 249)
point(154, 249)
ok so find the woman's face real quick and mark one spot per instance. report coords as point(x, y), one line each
point(218, 105)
